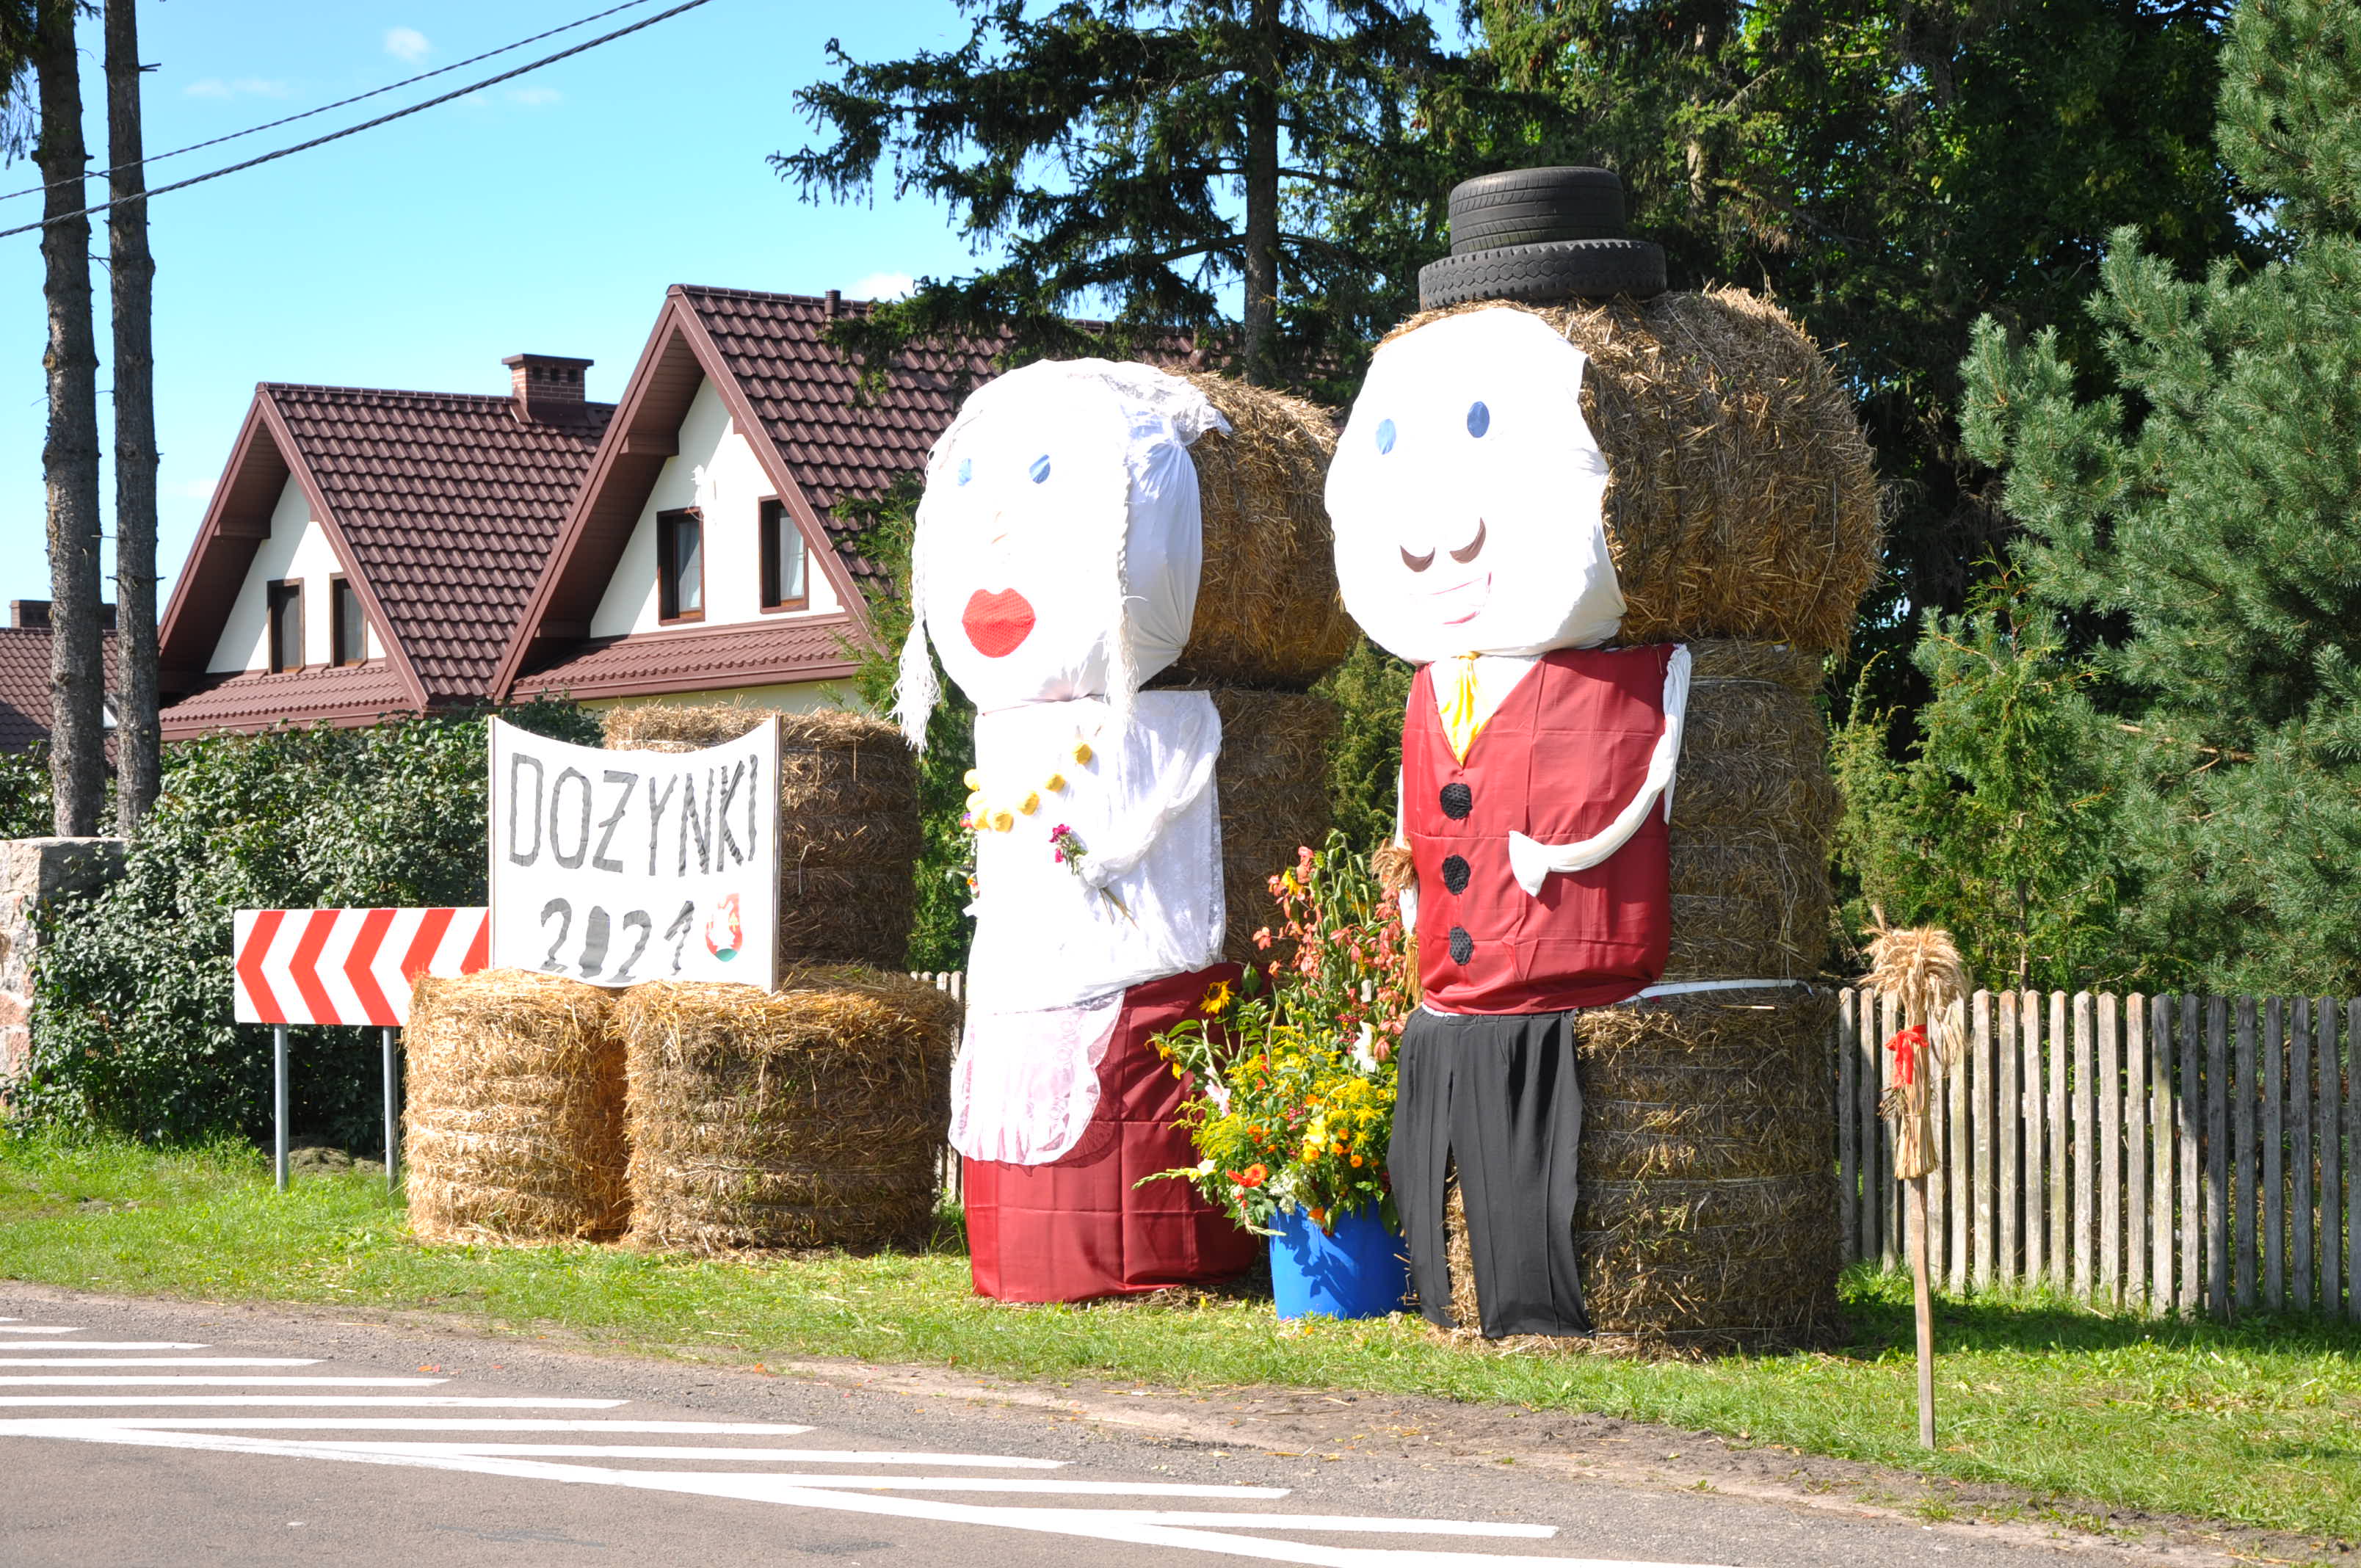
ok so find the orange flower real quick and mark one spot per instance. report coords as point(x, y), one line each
point(1254, 1176)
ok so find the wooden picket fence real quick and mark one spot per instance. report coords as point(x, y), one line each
point(2159, 1153)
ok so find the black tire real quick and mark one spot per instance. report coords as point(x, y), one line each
point(1534, 206)
point(1545, 274)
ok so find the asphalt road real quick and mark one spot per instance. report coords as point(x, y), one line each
point(143, 1433)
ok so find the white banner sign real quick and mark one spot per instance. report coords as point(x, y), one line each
point(615, 867)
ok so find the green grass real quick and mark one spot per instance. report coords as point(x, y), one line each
point(2257, 1424)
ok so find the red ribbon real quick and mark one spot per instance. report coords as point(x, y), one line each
point(1905, 1045)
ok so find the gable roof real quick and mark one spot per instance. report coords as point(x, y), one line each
point(25, 712)
point(797, 402)
point(444, 505)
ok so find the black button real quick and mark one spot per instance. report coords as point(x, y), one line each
point(1454, 872)
point(1462, 946)
point(1458, 800)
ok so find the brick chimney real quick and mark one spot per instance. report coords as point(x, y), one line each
point(547, 387)
point(33, 615)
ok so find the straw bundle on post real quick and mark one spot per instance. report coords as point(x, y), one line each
point(1707, 1214)
point(847, 822)
point(1740, 500)
point(1273, 784)
point(514, 1129)
point(803, 1118)
point(1267, 610)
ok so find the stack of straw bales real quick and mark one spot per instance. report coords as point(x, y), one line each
point(1741, 514)
point(515, 1116)
point(806, 1117)
point(1270, 623)
point(847, 822)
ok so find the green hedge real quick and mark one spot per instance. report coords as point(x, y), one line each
point(131, 1022)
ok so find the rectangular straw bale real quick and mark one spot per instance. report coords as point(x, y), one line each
point(514, 1123)
point(806, 1118)
point(849, 834)
point(1273, 783)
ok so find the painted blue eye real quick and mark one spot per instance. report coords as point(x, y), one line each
point(1479, 419)
point(1040, 470)
point(966, 469)
point(1385, 436)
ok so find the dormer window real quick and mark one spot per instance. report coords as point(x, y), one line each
point(348, 624)
point(680, 565)
point(784, 559)
point(282, 605)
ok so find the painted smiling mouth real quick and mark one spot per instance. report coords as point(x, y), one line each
point(1474, 593)
point(996, 623)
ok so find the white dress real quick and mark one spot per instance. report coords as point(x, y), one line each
point(1053, 952)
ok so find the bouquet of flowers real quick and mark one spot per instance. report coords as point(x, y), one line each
point(1292, 1101)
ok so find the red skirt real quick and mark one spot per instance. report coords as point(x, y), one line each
point(1078, 1227)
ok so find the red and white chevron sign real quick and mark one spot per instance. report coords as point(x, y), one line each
point(349, 966)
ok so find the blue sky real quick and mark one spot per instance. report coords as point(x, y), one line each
point(548, 215)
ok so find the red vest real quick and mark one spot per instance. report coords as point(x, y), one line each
point(1557, 761)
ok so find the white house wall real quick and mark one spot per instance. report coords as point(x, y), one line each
point(718, 473)
point(298, 547)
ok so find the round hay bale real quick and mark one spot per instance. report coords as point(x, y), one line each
point(807, 1117)
point(1707, 1214)
point(1272, 781)
point(1267, 610)
point(514, 1115)
point(1742, 501)
point(847, 822)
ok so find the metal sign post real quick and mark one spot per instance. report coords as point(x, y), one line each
point(392, 1118)
point(279, 1101)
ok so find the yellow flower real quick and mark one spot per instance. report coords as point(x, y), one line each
point(1082, 750)
point(1054, 782)
point(1030, 803)
point(975, 804)
point(973, 779)
point(1002, 821)
point(1217, 997)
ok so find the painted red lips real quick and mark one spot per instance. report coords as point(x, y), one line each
point(997, 623)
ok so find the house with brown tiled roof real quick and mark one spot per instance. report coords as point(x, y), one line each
point(711, 552)
point(369, 552)
point(25, 673)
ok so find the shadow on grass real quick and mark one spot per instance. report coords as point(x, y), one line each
point(1878, 1308)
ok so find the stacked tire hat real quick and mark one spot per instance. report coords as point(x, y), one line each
point(1541, 235)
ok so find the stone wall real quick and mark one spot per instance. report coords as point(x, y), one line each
point(33, 871)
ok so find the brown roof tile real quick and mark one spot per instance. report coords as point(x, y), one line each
point(449, 504)
point(24, 685)
point(356, 693)
point(754, 654)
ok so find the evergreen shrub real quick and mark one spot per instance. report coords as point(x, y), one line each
point(131, 1020)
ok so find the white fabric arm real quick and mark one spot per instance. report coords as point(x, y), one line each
point(1533, 861)
point(1406, 900)
point(1181, 762)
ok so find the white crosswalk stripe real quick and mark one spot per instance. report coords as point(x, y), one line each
point(885, 1483)
point(103, 1343)
point(35, 1329)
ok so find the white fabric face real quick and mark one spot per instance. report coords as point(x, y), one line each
point(1467, 494)
point(1059, 541)
point(1025, 1085)
point(1046, 937)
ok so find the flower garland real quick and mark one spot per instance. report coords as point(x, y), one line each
point(1066, 846)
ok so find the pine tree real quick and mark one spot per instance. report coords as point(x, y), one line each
point(2211, 516)
point(1143, 156)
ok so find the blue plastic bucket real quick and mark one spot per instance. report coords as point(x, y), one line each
point(1359, 1272)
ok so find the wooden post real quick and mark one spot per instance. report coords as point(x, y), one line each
point(2187, 1105)
point(2060, 1188)
point(2327, 1104)
point(2299, 1199)
point(2245, 1111)
point(2086, 1146)
point(1873, 1143)
point(1891, 1248)
point(1983, 1107)
point(1848, 1126)
point(2353, 1164)
point(2110, 1101)
point(2273, 1135)
point(2135, 1060)
point(2010, 1110)
point(2164, 1124)
point(2218, 1269)
point(1923, 1298)
point(2037, 1145)
point(1948, 1190)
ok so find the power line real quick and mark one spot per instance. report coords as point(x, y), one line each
point(365, 124)
point(339, 104)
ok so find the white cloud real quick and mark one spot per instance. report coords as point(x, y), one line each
point(239, 87)
point(406, 43)
point(534, 97)
point(883, 286)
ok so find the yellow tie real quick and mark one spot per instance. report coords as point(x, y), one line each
point(1459, 720)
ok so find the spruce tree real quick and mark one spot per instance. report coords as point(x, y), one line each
point(2211, 517)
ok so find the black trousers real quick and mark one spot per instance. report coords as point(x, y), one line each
point(1497, 1096)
